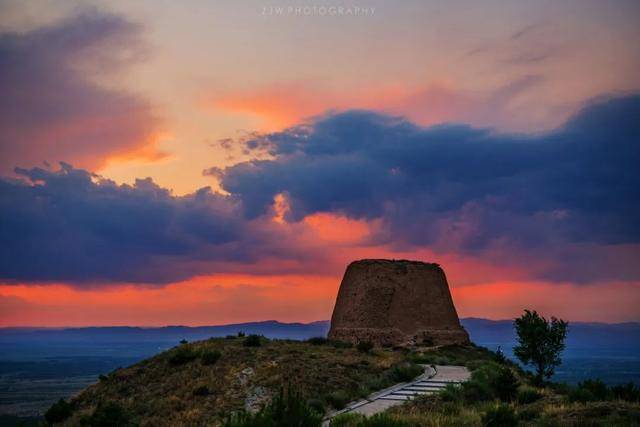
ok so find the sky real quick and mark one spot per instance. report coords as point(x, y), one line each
point(205, 162)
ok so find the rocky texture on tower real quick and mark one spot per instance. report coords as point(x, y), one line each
point(396, 302)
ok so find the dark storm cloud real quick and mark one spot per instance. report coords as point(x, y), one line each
point(51, 109)
point(70, 225)
point(457, 187)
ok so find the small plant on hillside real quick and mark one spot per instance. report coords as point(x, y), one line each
point(58, 412)
point(288, 409)
point(317, 340)
point(628, 392)
point(365, 346)
point(210, 357)
point(528, 395)
point(500, 357)
point(252, 341)
point(505, 385)
point(350, 419)
point(500, 416)
point(182, 355)
point(338, 399)
point(581, 395)
point(340, 344)
point(109, 414)
point(240, 334)
point(598, 388)
point(405, 372)
point(183, 341)
point(540, 343)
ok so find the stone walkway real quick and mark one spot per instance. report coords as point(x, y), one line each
point(432, 381)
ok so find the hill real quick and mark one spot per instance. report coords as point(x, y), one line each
point(203, 383)
point(200, 383)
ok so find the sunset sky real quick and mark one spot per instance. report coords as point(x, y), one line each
point(209, 162)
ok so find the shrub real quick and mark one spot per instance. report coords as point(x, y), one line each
point(451, 393)
point(252, 341)
point(317, 340)
point(628, 392)
point(183, 341)
point(338, 399)
point(288, 409)
point(581, 395)
point(474, 391)
point(108, 415)
point(231, 337)
point(340, 344)
point(365, 346)
point(499, 356)
point(504, 385)
point(528, 395)
point(500, 416)
point(58, 412)
point(405, 372)
point(210, 357)
point(240, 334)
point(598, 388)
point(182, 355)
point(317, 405)
point(203, 390)
point(348, 420)
point(103, 378)
point(384, 420)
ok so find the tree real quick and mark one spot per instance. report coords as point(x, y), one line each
point(540, 342)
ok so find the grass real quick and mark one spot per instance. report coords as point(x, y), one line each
point(201, 383)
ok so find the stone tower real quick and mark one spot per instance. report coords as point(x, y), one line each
point(392, 302)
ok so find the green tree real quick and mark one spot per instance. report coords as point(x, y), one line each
point(540, 342)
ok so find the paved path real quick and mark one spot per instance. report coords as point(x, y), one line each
point(432, 381)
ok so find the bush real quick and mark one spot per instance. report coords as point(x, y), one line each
point(581, 395)
point(340, 344)
point(183, 341)
point(103, 378)
point(384, 420)
point(182, 355)
point(504, 385)
point(405, 372)
point(474, 391)
point(500, 416)
point(58, 412)
point(350, 419)
point(231, 337)
point(338, 399)
point(451, 393)
point(628, 392)
point(317, 405)
point(500, 357)
point(108, 415)
point(210, 357)
point(288, 409)
point(240, 334)
point(317, 340)
point(365, 346)
point(598, 388)
point(252, 340)
point(528, 395)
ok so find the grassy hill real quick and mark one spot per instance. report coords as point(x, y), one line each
point(202, 383)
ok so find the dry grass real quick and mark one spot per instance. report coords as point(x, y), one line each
point(169, 389)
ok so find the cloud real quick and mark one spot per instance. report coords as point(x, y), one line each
point(570, 193)
point(51, 106)
point(560, 206)
point(70, 225)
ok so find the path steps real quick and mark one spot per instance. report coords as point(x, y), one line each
point(433, 380)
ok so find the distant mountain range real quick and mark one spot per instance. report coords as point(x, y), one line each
point(491, 333)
